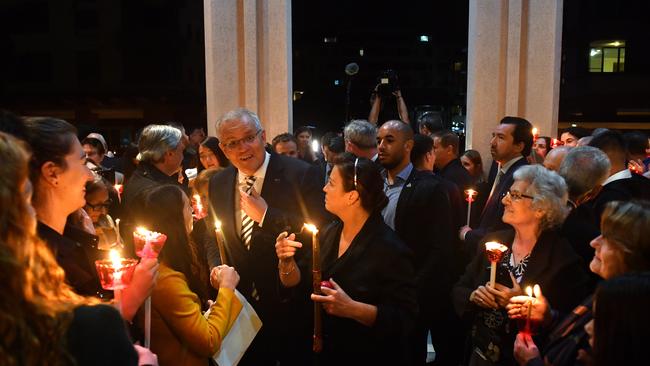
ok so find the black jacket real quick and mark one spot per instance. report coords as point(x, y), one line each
point(76, 252)
point(424, 223)
point(457, 174)
point(97, 336)
point(376, 269)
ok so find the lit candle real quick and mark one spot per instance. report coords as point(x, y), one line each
point(316, 280)
point(148, 244)
point(470, 194)
point(494, 252)
point(532, 293)
point(119, 188)
point(117, 233)
point(220, 241)
point(199, 212)
point(535, 134)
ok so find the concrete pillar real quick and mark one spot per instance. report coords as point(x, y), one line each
point(248, 60)
point(514, 57)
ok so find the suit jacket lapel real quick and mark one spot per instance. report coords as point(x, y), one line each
point(227, 214)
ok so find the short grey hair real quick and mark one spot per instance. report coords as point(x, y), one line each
point(239, 114)
point(550, 192)
point(156, 140)
point(584, 168)
point(361, 133)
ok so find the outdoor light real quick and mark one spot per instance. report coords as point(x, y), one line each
point(337, 82)
point(424, 38)
point(361, 52)
point(315, 146)
point(574, 125)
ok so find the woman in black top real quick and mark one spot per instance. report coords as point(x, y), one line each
point(535, 205)
point(59, 174)
point(372, 305)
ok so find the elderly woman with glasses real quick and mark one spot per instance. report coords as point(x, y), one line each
point(535, 206)
point(371, 304)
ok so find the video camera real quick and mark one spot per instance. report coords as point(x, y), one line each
point(387, 83)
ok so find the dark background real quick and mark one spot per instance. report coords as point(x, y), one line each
point(114, 66)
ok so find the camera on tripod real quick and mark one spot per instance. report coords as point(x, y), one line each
point(387, 83)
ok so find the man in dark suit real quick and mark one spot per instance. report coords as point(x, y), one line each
point(161, 155)
point(447, 163)
point(511, 142)
point(622, 184)
point(261, 195)
point(419, 211)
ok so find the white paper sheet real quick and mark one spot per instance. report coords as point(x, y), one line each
point(240, 336)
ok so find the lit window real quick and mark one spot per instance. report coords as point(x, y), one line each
point(607, 56)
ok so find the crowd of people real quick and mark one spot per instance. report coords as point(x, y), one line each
point(407, 279)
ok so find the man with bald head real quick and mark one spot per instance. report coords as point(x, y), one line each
point(419, 211)
point(256, 198)
point(554, 158)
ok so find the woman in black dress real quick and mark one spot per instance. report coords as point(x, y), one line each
point(372, 305)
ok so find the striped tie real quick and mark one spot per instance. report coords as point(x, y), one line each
point(246, 222)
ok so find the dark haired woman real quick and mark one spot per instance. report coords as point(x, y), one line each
point(181, 335)
point(59, 174)
point(43, 321)
point(372, 305)
point(210, 155)
point(619, 330)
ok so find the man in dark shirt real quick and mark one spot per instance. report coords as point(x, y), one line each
point(419, 211)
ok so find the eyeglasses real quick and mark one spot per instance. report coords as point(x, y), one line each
point(516, 196)
point(356, 162)
point(99, 206)
point(232, 145)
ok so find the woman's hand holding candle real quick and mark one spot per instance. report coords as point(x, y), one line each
point(540, 311)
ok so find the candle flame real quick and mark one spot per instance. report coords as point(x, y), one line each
point(142, 231)
point(529, 291)
point(493, 245)
point(537, 291)
point(311, 228)
point(217, 224)
point(115, 258)
point(470, 192)
point(535, 131)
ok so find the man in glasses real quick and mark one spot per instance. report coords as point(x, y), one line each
point(512, 141)
point(419, 210)
point(259, 196)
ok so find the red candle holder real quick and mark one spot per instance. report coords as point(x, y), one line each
point(148, 244)
point(494, 251)
point(113, 276)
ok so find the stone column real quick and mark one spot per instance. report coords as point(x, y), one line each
point(248, 61)
point(513, 67)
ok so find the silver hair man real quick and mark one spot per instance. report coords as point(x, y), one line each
point(549, 191)
point(239, 114)
point(361, 133)
point(583, 169)
point(156, 140)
